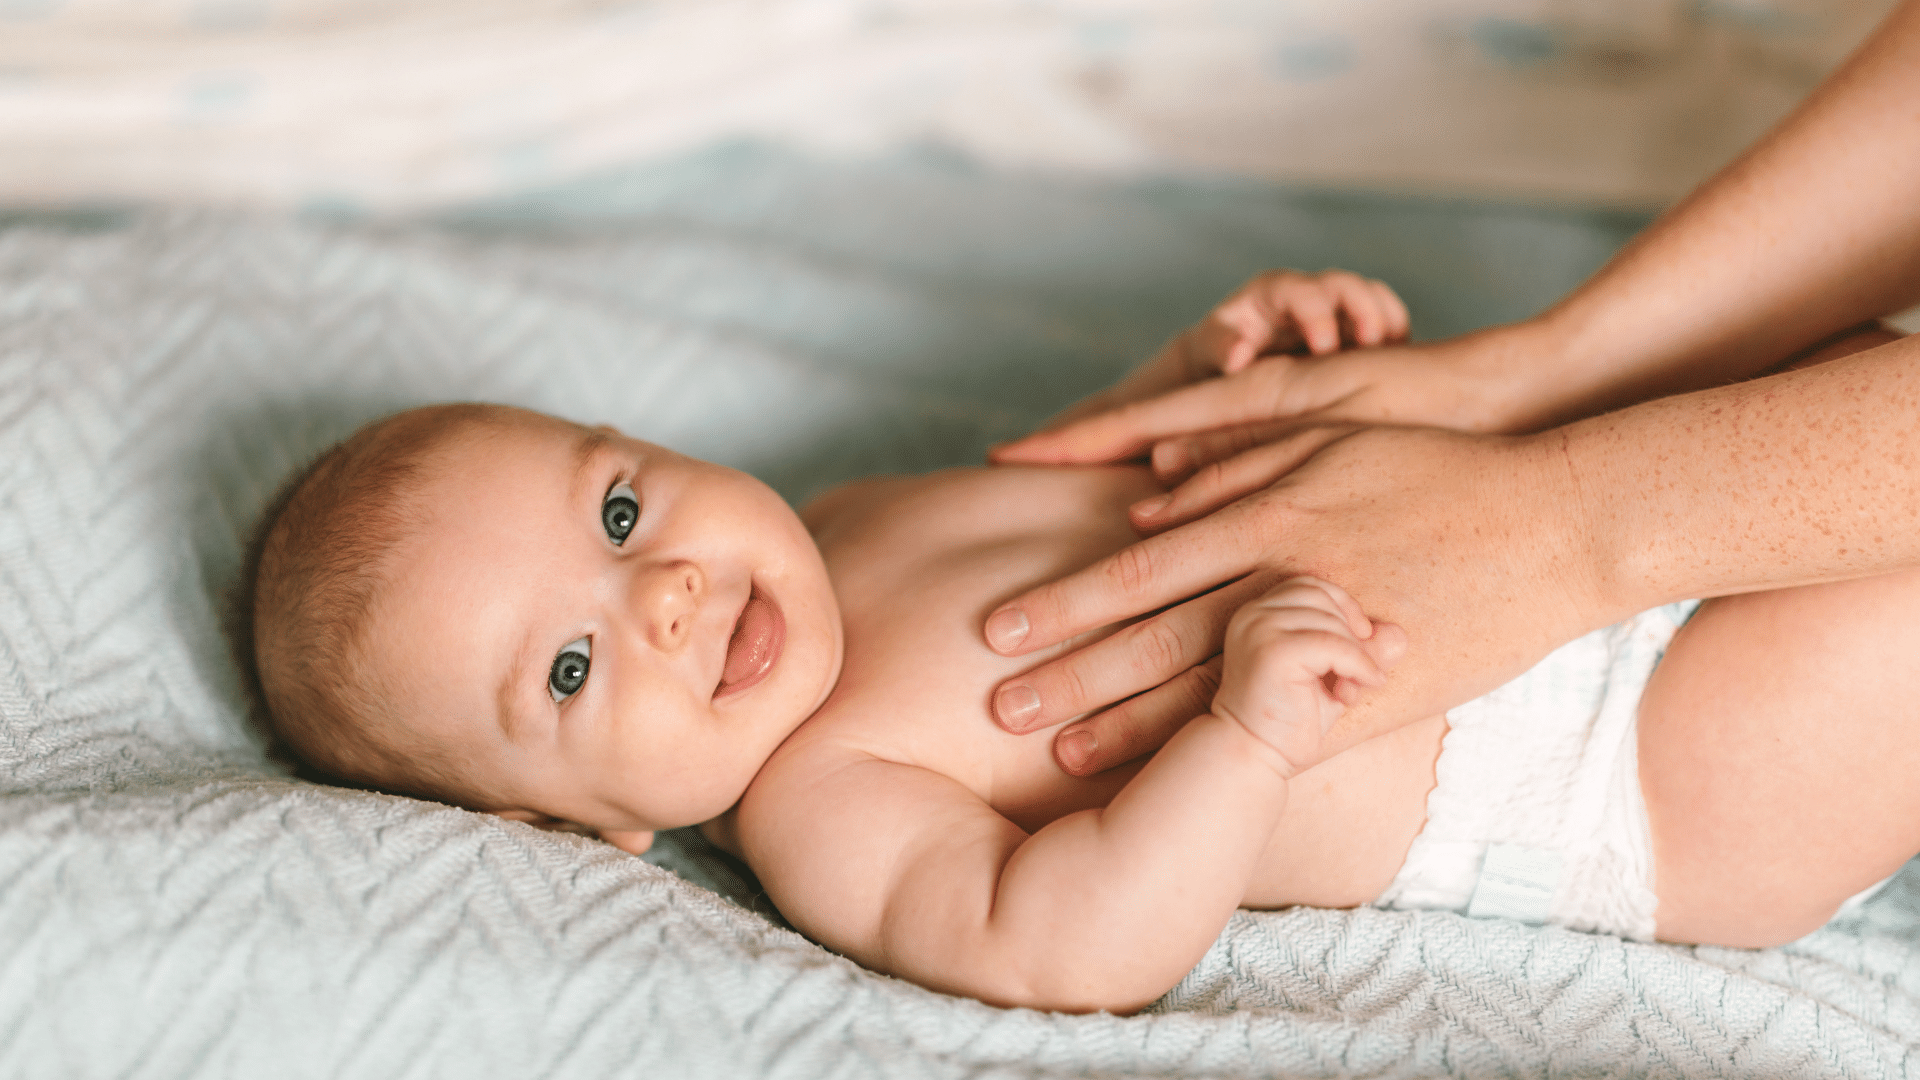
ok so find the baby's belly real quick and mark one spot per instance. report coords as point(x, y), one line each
point(1350, 821)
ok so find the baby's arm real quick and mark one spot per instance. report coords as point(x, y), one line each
point(908, 872)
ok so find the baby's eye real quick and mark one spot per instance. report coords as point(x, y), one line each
point(619, 513)
point(569, 671)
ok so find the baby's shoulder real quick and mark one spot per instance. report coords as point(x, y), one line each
point(820, 754)
point(831, 506)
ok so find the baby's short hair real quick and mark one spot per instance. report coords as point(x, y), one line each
point(315, 569)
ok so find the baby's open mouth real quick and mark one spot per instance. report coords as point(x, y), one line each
point(755, 645)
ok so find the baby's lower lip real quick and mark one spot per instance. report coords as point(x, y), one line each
point(758, 636)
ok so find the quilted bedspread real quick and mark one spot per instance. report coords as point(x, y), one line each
point(172, 903)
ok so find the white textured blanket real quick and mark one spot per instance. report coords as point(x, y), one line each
point(171, 904)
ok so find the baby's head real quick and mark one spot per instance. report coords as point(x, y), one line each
point(517, 614)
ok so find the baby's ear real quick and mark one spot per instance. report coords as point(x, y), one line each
point(635, 842)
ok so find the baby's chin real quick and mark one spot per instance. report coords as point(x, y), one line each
point(797, 718)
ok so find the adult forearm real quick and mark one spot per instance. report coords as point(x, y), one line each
point(1809, 476)
point(1814, 229)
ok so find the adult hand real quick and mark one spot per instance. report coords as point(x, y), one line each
point(1472, 544)
point(1275, 313)
point(1491, 381)
point(1209, 469)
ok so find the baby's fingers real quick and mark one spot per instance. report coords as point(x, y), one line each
point(1311, 603)
point(1277, 609)
point(1387, 645)
point(1316, 315)
point(1394, 311)
point(1360, 307)
point(1276, 312)
point(1286, 681)
point(1292, 617)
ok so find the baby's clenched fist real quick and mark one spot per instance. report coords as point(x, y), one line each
point(1295, 659)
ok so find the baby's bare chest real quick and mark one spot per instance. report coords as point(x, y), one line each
point(916, 574)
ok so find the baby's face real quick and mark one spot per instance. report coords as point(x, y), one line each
point(602, 630)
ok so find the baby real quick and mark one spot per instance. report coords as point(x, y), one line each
point(573, 628)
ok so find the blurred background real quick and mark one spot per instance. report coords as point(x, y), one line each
point(375, 106)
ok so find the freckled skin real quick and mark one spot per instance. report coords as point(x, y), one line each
point(1731, 487)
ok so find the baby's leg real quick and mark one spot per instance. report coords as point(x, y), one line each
point(1778, 743)
point(1779, 746)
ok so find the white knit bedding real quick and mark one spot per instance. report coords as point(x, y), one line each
point(173, 904)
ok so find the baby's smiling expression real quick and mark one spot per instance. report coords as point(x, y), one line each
point(603, 631)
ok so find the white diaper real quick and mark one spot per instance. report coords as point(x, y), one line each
point(1536, 813)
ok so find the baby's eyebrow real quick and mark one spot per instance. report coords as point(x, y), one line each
point(584, 452)
point(509, 692)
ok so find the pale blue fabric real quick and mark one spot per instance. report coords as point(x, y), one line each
point(172, 904)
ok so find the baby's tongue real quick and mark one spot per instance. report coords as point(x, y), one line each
point(751, 648)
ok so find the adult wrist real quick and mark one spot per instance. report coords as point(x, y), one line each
point(1532, 374)
point(1499, 380)
point(1571, 499)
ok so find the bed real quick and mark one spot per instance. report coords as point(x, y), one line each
point(174, 902)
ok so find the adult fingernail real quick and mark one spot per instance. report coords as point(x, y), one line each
point(1007, 629)
point(1151, 508)
point(1075, 749)
point(1015, 704)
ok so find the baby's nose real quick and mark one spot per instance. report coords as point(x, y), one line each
point(668, 596)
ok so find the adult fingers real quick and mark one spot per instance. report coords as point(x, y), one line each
point(1176, 458)
point(1139, 725)
point(1139, 578)
point(1140, 657)
point(1184, 359)
point(1258, 393)
point(1222, 482)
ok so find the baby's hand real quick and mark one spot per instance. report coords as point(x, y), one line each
point(1295, 659)
point(1285, 311)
